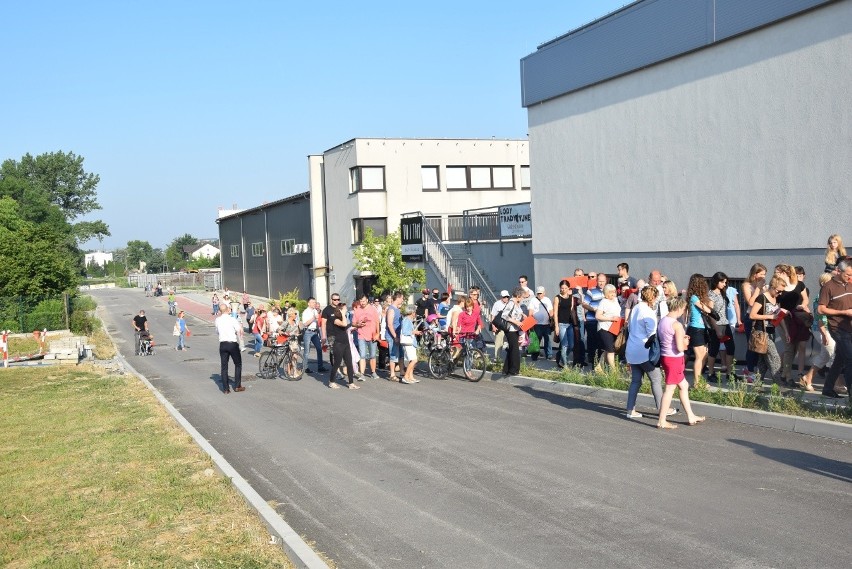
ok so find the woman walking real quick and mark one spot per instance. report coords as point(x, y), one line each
point(673, 344)
point(643, 326)
point(723, 334)
point(564, 320)
point(182, 330)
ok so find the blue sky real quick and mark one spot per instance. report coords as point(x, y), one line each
point(182, 107)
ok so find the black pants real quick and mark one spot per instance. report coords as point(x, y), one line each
point(340, 352)
point(231, 350)
point(594, 348)
point(512, 364)
point(579, 347)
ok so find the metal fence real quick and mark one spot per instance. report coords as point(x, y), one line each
point(210, 280)
point(25, 314)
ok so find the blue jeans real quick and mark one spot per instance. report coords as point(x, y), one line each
point(637, 371)
point(566, 342)
point(258, 341)
point(181, 340)
point(312, 337)
point(543, 333)
point(367, 349)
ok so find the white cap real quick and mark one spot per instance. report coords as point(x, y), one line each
point(539, 289)
point(504, 293)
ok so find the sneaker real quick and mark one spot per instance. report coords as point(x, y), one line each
point(842, 390)
point(672, 411)
point(634, 415)
point(323, 369)
point(340, 376)
point(360, 377)
point(406, 381)
point(374, 375)
point(415, 380)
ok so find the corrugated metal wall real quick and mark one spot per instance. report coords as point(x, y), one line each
point(642, 34)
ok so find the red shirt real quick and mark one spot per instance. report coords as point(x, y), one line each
point(371, 322)
point(467, 323)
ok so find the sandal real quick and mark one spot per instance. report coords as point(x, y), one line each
point(333, 386)
point(666, 425)
point(353, 386)
point(697, 420)
point(393, 378)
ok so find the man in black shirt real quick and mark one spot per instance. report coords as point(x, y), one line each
point(140, 324)
point(336, 324)
point(424, 305)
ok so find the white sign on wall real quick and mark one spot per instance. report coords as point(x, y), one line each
point(515, 221)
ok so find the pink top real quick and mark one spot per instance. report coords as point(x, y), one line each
point(371, 319)
point(467, 323)
point(666, 335)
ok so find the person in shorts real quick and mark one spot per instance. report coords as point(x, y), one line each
point(365, 319)
point(673, 344)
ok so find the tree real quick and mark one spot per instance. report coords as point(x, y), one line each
point(174, 252)
point(32, 263)
point(382, 256)
point(139, 251)
point(53, 188)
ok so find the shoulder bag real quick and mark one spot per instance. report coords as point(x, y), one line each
point(499, 321)
point(758, 342)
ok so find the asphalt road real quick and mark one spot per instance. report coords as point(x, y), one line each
point(460, 475)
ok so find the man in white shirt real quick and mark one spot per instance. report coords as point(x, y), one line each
point(230, 332)
point(310, 321)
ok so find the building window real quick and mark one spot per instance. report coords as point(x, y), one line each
point(429, 177)
point(235, 250)
point(288, 246)
point(525, 177)
point(480, 178)
point(379, 225)
point(367, 179)
point(257, 249)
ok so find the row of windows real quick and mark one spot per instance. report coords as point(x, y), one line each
point(459, 178)
point(288, 247)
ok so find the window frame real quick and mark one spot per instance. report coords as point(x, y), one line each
point(284, 247)
point(356, 179)
point(257, 249)
point(235, 251)
point(437, 177)
point(358, 228)
point(525, 168)
point(469, 177)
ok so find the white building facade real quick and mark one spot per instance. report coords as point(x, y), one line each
point(98, 257)
point(370, 182)
point(692, 136)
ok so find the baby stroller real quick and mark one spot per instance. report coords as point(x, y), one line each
point(146, 344)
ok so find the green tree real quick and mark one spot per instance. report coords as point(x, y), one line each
point(139, 251)
point(204, 263)
point(382, 256)
point(54, 189)
point(32, 263)
point(174, 252)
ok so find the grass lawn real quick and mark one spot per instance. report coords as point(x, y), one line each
point(96, 474)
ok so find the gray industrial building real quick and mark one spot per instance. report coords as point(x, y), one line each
point(265, 250)
point(692, 136)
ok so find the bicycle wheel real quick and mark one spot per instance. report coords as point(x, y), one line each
point(294, 366)
point(268, 365)
point(475, 364)
point(439, 364)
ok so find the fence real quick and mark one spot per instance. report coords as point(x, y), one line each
point(25, 314)
point(210, 280)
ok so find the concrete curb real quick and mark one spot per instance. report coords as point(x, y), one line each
point(294, 546)
point(755, 417)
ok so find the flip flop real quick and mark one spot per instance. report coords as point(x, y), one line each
point(667, 426)
point(353, 386)
point(333, 386)
point(697, 420)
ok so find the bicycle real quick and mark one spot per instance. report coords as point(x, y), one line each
point(474, 362)
point(284, 360)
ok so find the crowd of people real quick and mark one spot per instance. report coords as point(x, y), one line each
point(593, 320)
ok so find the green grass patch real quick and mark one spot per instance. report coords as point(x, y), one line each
point(734, 394)
point(96, 474)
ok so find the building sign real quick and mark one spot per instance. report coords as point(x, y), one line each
point(411, 235)
point(515, 221)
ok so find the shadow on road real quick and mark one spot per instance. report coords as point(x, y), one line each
point(571, 402)
point(803, 460)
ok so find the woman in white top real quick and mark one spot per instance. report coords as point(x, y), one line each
point(642, 326)
point(608, 311)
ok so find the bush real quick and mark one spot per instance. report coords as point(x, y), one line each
point(83, 323)
point(48, 314)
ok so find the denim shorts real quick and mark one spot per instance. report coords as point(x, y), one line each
point(367, 349)
point(393, 349)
